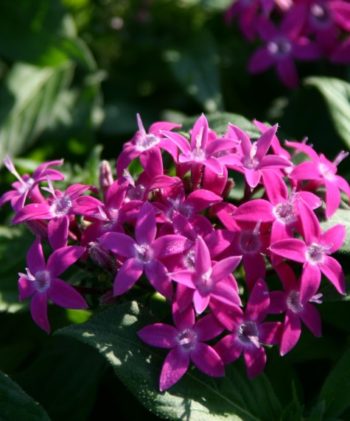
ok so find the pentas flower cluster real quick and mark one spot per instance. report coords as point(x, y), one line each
point(293, 30)
point(239, 276)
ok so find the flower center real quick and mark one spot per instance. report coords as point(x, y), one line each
point(198, 154)
point(315, 253)
point(248, 334)
point(205, 283)
point(280, 47)
point(42, 280)
point(61, 206)
point(326, 171)
point(144, 253)
point(284, 213)
point(189, 259)
point(249, 242)
point(187, 339)
point(25, 185)
point(293, 302)
point(146, 142)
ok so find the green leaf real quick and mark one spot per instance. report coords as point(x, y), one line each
point(336, 93)
point(14, 242)
point(336, 389)
point(210, 5)
point(195, 66)
point(342, 216)
point(15, 404)
point(113, 333)
point(27, 104)
point(219, 122)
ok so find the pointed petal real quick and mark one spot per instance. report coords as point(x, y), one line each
point(332, 269)
point(200, 302)
point(260, 61)
point(258, 302)
point(257, 210)
point(201, 199)
point(174, 367)
point(311, 317)
point(127, 276)
point(207, 360)
point(35, 257)
point(225, 267)
point(118, 243)
point(63, 258)
point(291, 333)
point(145, 231)
point(229, 349)
point(38, 310)
point(226, 292)
point(310, 225)
point(199, 133)
point(264, 142)
point(158, 277)
point(57, 231)
point(270, 333)
point(183, 277)
point(292, 249)
point(32, 212)
point(230, 317)
point(277, 302)
point(183, 318)
point(306, 171)
point(208, 328)
point(333, 198)
point(159, 335)
point(255, 361)
point(310, 281)
point(167, 245)
point(252, 177)
point(26, 288)
point(64, 295)
point(202, 259)
point(334, 238)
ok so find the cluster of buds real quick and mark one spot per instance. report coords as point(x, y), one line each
point(241, 275)
point(290, 30)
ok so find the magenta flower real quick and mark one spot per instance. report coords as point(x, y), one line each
point(42, 282)
point(323, 172)
point(249, 331)
point(296, 310)
point(147, 146)
point(57, 210)
point(26, 186)
point(254, 160)
point(209, 281)
point(314, 252)
point(144, 254)
point(282, 47)
point(186, 341)
point(202, 149)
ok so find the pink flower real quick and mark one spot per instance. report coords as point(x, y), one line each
point(209, 281)
point(42, 282)
point(296, 310)
point(249, 331)
point(144, 254)
point(186, 341)
point(26, 186)
point(313, 253)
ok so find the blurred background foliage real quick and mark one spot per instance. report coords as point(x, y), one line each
point(73, 75)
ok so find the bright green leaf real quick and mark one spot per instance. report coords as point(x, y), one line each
point(15, 404)
point(113, 333)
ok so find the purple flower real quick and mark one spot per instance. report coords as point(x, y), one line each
point(41, 282)
point(209, 281)
point(186, 341)
point(314, 252)
point(282, 47)
point(249, 331)
point(144, 253)
point(296, 310)
point(26, 186)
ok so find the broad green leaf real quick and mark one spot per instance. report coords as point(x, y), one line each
point(113, 332)
point(220, 121)
point(336, 389)
point(27, 104)
point(15, 404)
point(336, 93)
point(14, 243)
point(342, 216)
point(195, 66)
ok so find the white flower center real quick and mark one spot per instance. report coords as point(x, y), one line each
point(293, 302)
point(145, 142)
point(280, 47)
point(144, 253)
point(248, 334)
point(326, 171)
point(61, 206)
point(315, 253)
point(42, 280)
point(205, 283)
point(187, 339)
point(284, 212)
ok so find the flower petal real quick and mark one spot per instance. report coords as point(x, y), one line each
point(35, 257)
point(228, 348)
point(202, 259)
point(159, 335)
point(255, 361)
point(200, 302)
point(127, 276)
point(207, 360)
point(167, 245)
point(291, 333)
point(26, 288)
point(118, 243)
point(158, 277)
point(311, 317)
point(292, 249)
point(38, 310)
point(61, 259)
point(174, 367)
point(208, 328)
point(258, 302)
point(310, 281)
point(332, 269)
point(57, 231)
point(64, 295)
point(225, 267)
point(145, 231)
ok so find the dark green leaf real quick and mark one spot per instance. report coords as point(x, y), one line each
point(195, 66)
point(336, 389)
point(336, 93)
point(113, 333)
point(15, 404)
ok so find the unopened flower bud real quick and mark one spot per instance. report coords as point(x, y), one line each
point(105, 176)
